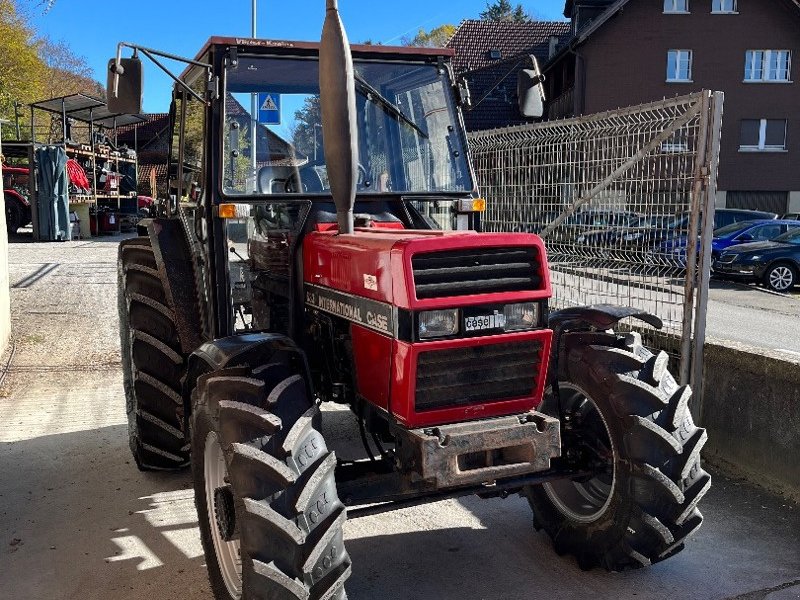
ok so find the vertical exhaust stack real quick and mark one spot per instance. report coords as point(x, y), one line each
point(338, 104)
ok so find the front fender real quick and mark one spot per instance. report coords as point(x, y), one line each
point(245, 350)
point(598, 316)
point(591, 320)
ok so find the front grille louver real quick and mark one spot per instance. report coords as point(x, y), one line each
point(463, 376)
point(476, 271)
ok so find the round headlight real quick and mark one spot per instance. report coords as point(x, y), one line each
point(521, 316)
point(438, 323)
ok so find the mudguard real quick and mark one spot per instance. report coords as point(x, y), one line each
point(176, 270)
point(244, 350)
point(592, 320)
point(599, 316)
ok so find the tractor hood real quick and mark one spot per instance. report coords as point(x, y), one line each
point(425, 269)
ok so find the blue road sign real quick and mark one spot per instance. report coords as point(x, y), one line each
point(269, 108)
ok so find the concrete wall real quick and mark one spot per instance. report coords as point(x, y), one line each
point(751, 409)
point(5, 292)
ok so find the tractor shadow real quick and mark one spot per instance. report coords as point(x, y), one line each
point(81, 521)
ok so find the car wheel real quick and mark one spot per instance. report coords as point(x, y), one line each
point(780, 278)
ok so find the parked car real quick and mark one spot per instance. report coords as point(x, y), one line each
point(776, 263)
point(612, 235)
point(794, 216)
point(737, 233)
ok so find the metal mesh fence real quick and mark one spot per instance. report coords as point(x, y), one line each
point(618, 199)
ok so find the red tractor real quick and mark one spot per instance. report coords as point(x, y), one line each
point(344, 265)
point(15, 193)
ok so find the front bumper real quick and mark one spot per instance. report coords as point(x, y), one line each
point(738, 270)
point(482, 452)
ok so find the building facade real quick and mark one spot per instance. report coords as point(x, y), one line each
point(635, 51)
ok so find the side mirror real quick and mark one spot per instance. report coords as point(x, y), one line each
point(531, 91)
point(745, 237)
point(125, 86)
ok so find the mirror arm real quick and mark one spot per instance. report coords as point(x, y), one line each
point(173, 77)
point(151, 54)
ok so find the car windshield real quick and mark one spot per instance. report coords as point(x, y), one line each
point(409, 140)
point(733, 228)
point(791, 237)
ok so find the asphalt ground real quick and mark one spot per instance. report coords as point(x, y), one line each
point(78, 521)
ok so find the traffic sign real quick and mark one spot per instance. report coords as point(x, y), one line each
point(269, 108)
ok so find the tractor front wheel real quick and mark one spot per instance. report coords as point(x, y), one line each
point(625, 420)
point(270, 518)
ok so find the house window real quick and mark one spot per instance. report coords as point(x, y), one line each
point(679, 65)
point(767, 65)
point(676, 6)
point(724, 6)
point(763, 135)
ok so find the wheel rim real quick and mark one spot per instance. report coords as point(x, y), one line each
point(227, 553)
point(587, 499)
point(780, 278)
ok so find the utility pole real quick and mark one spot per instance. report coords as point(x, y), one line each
point(254, 111)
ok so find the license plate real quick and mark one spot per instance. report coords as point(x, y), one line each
point(481, 322)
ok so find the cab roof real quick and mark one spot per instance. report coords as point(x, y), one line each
point(358, 49)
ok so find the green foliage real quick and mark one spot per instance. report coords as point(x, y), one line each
point(502, 10)
point(33, 68)
point(21, 68)
point(435, 38)
point(307, 120)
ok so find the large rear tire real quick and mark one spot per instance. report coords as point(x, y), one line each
point(153, 366)
point(270, 518)
point(626, 415)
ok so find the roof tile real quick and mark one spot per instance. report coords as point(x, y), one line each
point(473, 40)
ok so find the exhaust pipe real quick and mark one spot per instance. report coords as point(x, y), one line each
point(338, 104)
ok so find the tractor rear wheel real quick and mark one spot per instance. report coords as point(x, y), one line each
point(270, 518)
point(626, 418)
point(153, 366)
point(15, 215)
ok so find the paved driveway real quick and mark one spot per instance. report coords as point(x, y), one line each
point(78, 521)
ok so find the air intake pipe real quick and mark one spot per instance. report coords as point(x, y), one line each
point(338, 104)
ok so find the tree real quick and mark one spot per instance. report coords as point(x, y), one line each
point(307, 133)
point(21, 68)
point(502, 10)
point(435, 38)
point(66, 73)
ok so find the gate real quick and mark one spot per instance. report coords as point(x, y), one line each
point(621, 199)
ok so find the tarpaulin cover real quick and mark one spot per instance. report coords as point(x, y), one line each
point(53, 197)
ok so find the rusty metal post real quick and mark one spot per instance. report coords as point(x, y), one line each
point(717, 107)
point(698, 188)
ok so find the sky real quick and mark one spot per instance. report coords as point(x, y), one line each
point(93, 28)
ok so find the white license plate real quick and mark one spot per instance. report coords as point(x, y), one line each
point(496, 321)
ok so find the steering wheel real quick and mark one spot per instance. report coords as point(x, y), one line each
point(307, 179)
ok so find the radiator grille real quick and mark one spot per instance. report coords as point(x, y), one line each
point(462, 376)
point(476, 271)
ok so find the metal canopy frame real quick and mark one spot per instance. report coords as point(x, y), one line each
point(84, 108)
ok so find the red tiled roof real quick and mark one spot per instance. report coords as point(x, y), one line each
point(156, 127)
point(474, 39)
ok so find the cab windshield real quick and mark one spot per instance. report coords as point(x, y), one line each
point(409, 140)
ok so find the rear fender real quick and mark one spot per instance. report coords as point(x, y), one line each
point(176, 269)
point(588, 324)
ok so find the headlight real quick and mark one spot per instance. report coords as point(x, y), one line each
point(438, 323)
point(521, 316)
